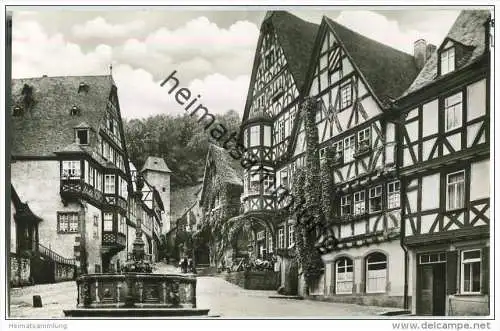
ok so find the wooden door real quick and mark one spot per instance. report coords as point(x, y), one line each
point(425, 295)
point(439, 289)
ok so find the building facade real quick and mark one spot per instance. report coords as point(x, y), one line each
point(69, 162)
point(444, 160)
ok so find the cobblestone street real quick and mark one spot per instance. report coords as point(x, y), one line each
point(222, 298)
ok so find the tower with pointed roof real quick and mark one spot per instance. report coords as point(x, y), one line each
point(157, 173)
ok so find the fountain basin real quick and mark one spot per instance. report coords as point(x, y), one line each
point(136, 294)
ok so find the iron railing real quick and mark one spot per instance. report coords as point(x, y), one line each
point(50, 254)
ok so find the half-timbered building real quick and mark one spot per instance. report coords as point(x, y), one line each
point(354, 79)
point(278, 75)
point(444, 163)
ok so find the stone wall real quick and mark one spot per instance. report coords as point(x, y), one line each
point(253, 280)
point(382, 300)
point(476, 305)
point(19, 271)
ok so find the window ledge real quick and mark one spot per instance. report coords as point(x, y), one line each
point(468, 295)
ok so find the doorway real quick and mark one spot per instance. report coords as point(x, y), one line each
point(431, 298)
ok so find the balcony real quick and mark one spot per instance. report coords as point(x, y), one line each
point(76, 188)
point(113, 242)
point(117, 201)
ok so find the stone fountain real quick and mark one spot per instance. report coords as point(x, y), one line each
point(136, 292)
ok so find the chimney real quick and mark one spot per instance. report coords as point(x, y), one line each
point(429, 50)
point(420, 53)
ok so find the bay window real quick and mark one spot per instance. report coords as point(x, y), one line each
point(109, 184)
point(254, 136)
point(107, 222)
point(267, 136)
point(254, 183)
point(71, 169)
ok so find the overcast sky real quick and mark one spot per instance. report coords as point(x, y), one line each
point(212, 51)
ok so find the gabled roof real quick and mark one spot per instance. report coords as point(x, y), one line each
point(23, 211)
point(182, 200)
point(154, 163)
point(47, 126)
point(227, 170)
point(296, 38)
point(386, 70)
point(469, 31)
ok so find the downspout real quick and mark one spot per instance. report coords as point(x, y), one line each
point(401, 238)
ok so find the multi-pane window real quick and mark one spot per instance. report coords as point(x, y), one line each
point(345, 205)
point(281, 238)
point(343, 276)
point(123, 188)
point(455, 184)
point(291, 235)
point(267, 136)
point(375, 198)
point(67, 222)
point(71, 169)
point(376, 273)
point(109, 184)
point(254, 182)
point(453, 111)
point(393, 195)
point(447, 61)
point(260, 235)
point(123, 225)
point(349, 149)
point(281, 130)
point(91, 175)
point(254, 136)
point(107, 222)
point(359, 203)
point(364, 139)
point(471, 272)
point(268, 183)
point(98, 181)
point(284, 178)
point(345, 96)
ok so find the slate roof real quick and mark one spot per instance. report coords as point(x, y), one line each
point(388, 71)
point(296, 37)
point(48, 127)
point(182, 199)
point(155, 164)
point(468, 30)
point(228, 169)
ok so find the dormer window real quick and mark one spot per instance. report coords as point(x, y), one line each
point(447, 60)
point(75, 111)
point(83, 88)
point(82, 136)
point(18, 111)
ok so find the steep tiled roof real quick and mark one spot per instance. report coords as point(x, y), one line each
point(296, 38)
point(468, 30)
point(155, 164)
point(182, 199)
point(47, 126)
point(388, 71)
point(228, 170)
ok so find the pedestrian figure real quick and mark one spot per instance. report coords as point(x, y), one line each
point(184, 265)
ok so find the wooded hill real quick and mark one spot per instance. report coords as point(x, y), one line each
point(180, 139)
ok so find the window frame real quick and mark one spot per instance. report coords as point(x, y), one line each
point(107, 221)
point(281, 237)
point(291, 235)
point(65, 220)
point(349, 147)
point(345, 200)
point(366, 135)
point(453, 107)
point(347, 102)
point(470, 261)
point(71, 169)
point(77, 131)
point(361, 201)
point(456, 185)
point(392, 192)
point(446, 52)
point(367, 273)
point(375, 195)
point(107, 185)
point(254, 131)
point(345, 266)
